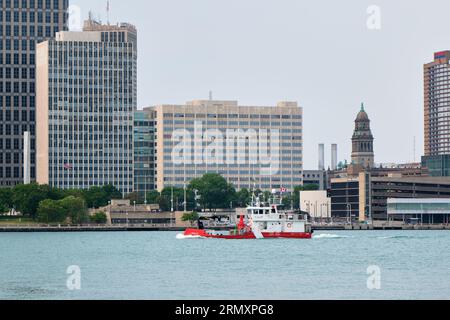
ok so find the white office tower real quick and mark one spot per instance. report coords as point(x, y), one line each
point(86, 97)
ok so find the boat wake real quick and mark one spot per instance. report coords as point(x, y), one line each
point(329, 236)
point(181, 236)
point(399, 237)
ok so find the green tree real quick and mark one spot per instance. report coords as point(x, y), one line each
point(310, 187)
point(190, 217)
point(134, 197)
point(26, 198)
point(6, 203)
point(178, 199)
point(111, 192)
point(78, 193)
point(215, 192)
point(97, 197)
point(153, 197)
point(99, 217)
point(243, 198)
point(75, 209)
point(288, 201)
point(50, 211)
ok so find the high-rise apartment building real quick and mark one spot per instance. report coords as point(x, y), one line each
point(437, 114)
point(437, 105)
point(251, 146)
point(86, 97)
point(23, 23)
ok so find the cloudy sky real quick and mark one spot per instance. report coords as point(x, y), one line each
point(319, 53)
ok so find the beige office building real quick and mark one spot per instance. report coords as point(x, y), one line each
point(251, 146)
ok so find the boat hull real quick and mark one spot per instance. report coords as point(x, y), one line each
point(248, 235)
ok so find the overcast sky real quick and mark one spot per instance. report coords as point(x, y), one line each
point(319, 53)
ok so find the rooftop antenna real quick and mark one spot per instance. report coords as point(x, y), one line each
point(107, 11)
point(210, 95)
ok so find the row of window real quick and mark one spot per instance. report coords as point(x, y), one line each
point(14, 144)
point(16, 158)
point(14, 172)
point(16, 44)
point(62, 50)
point(231, 116)
point(15, 58)
point(171, 123)
point(75, 171)
point(17, 87)
point(17, 16)
point(40, 31)
point(14, 116)
point(34, 4)
point(17, 73)
point(7, 129)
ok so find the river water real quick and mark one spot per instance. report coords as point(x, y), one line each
point(157, 265)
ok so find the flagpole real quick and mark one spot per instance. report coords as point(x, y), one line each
point(107, 10)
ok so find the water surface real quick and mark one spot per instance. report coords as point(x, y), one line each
point(157, 265)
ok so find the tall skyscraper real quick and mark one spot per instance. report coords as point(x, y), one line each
point(251, 146)
point(23, 23)
point(437, 115)
point(362, 141)
point(86, 97)
point(437, 105)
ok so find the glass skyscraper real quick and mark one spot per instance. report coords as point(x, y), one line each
point(144, 152)
point(23, 23)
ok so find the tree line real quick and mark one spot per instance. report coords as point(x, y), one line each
point(48, 204)
point(210, 192)
point(213, 192)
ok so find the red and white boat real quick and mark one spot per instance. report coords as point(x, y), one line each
point(262, 222)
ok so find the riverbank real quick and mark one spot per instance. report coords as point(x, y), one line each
point(156, 228)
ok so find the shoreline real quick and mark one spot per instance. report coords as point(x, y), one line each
point(153, 228)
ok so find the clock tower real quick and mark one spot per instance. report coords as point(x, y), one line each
point(362, 141)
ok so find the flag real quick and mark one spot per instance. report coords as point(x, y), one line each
point(67, 166)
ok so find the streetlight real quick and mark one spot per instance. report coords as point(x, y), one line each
point(171, 200)
point(349, 213)
point(109, 209)
point(316, 209)
point(185, 198)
